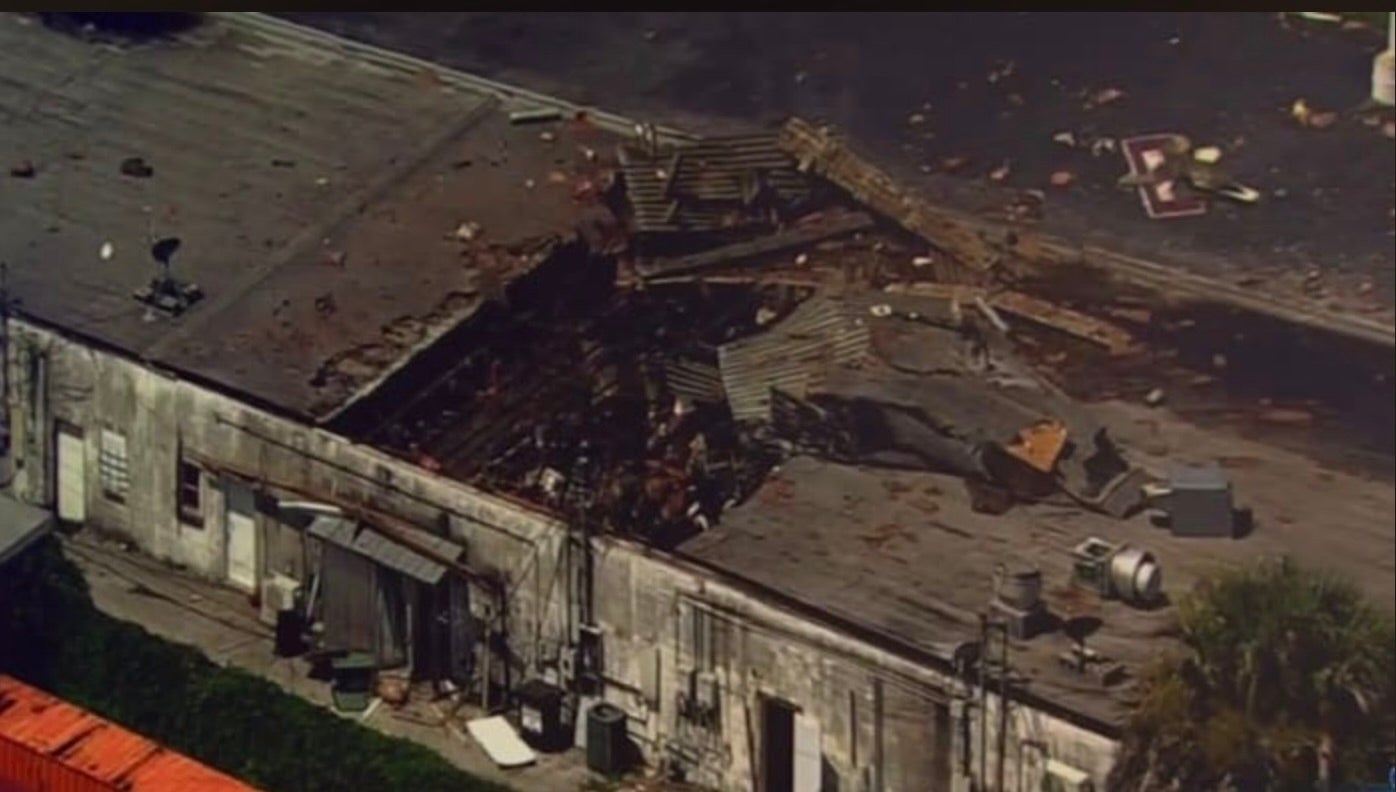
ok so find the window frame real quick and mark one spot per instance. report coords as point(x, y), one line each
point(190, 514)
point(113, 465)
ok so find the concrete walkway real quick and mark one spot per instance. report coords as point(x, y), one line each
point(223, 625)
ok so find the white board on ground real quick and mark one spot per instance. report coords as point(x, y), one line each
point(504, 747)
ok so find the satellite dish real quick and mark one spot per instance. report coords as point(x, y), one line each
point(165, 249)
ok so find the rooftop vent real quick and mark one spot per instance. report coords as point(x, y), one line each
point(165, 294)
point(1018, 600)
point(1117, 572)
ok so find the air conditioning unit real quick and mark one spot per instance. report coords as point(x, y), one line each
point(279, 593)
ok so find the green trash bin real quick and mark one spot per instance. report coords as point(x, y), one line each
point(606, 740)
point(352, 687)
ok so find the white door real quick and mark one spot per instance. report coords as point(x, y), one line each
point(809, 755)
point(240, 523)
point(72, 476)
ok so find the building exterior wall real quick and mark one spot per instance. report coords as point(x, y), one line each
point(882, 720)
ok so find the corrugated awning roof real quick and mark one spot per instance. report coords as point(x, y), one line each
point(20, 525)
point(378, 548)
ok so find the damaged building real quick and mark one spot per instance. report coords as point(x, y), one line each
point(680, 428)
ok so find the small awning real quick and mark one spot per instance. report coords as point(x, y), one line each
point(378, 548)
point(20, 526)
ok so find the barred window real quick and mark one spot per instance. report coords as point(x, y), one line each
point(112, 466)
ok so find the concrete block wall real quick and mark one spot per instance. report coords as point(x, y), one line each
point(645, 600)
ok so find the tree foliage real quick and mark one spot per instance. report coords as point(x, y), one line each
point(1280, 663)
point(52, 636)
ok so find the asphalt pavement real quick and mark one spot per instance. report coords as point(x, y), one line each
point(945, 100)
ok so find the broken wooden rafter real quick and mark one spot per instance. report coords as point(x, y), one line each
point(1116, 340)
point(819, 151)
point(774, 243)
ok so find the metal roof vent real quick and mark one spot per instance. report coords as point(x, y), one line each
point(1117, 572)
point(165, 293)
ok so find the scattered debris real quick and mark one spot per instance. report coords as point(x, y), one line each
point(1102, 146)
point(466, 232)
point(739, 184)
point(336, 258)
point(1154, 171)
point(951, 164)
point(136, 168)
point(1306, 116)
point(1207, 155)
point(1154, 397)
point(1065, 138)
point(325, 304)
point(916, 119)
point(323, 181)
point(283, 163)
point(1286, 416)
point(537, 116)
point(547, 137)
point(557, 177)
point(106, 251)
point(529, 184)
point(1000, 173)
point(990, 314)
point(1322, 120)
point(1389, 129)
point(1104, 97)
point(1062, 178)
point(1040, 445)
point(1113, 338)
point(772, 243)
point(819, 151)
point(23, 170)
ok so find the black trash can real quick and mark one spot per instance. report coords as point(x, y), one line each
point(540, 716)
point(606, 740)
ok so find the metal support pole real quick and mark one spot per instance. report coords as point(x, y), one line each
point(1003, 705)
point(982, 780)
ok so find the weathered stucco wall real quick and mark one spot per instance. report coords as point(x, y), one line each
point(879, 716)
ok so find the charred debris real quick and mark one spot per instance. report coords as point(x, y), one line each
point(755, 312)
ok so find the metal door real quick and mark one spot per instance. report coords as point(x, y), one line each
point(460, 638)
point(72, 475)
point(240, 524)
point(809, 755)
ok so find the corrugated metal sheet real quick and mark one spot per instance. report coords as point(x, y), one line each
point(371, 544)
point(48, 744)
point(695, 381)
point(705, 185)
point(794, 356)
point(348, 600)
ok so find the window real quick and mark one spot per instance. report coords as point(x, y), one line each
point(191, 503)
point(112, 467)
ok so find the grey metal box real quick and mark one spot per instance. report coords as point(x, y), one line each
point(1200, 503)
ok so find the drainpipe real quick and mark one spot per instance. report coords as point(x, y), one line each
point(982, 781)
point(1384, 68)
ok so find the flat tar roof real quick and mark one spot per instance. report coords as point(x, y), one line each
point(313, 192)
point(901, 554)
